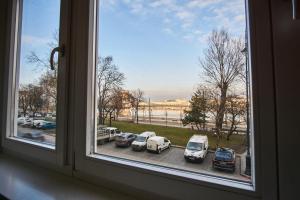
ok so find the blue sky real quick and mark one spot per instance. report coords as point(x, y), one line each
point(40, 21)
point(155, 43)
point(158, 43)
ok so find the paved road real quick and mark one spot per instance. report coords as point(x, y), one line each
point(171, 158)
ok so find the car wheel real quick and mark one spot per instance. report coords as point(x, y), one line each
point(169, 147)
point(159, 151)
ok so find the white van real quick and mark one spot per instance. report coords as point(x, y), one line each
point(196, 148)
point(158, 144)
point(140, 143)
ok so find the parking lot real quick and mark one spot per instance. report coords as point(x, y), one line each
point(169, 158)
point(172, 158)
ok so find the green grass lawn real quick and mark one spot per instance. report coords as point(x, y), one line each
point(180, 136)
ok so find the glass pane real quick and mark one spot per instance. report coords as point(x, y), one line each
point(173, 74)
point(37, 83)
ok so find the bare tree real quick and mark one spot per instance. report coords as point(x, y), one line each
point(24, 99)
point(236, 109)
point(48, 79)
point(41, 62)
point(49, 83)
point(223, 63)
point(115, 103)
point(118, 101)
point(109, 79)
point(137, 97)
point(36, 100)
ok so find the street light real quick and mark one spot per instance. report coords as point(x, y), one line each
point(248, 156)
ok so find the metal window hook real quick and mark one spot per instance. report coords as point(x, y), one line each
point(60, 50)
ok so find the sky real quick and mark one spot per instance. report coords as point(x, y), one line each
point(157, 44)
point(40, 21)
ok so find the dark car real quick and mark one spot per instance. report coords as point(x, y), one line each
point(35, 135)
point(125, 139)
point(224, 159)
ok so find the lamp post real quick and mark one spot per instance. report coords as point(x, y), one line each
point(248, 156)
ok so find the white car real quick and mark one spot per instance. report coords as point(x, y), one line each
point(24, 121)
point(196, 148)
point(158, 144)
point(21, 120)
point(140, 143)
point(38, 123)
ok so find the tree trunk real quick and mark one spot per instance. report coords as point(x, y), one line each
point(198, 128)
point(100, 116)
point(110, 119)
point(221, 110)
point(137, 114)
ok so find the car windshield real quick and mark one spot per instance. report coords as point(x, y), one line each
point(223, 155)
point(194, 146)
point(140, 139)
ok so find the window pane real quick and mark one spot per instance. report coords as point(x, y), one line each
point(37, 83)
point(172, 85)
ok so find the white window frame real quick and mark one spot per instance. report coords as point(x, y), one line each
point(34, 151)
point(134, 176)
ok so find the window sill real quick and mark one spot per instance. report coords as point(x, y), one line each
point(203, 179)
point(22, 180)
point(32, 143)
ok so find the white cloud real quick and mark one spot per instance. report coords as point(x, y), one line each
point(36, 41)
point(185, 17)
point(201, 3)
point(240, 18)
point(188, 37)
point(202, 38)
point(168, 31)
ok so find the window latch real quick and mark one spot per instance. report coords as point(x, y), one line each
point(60, 50)
point(296, 9)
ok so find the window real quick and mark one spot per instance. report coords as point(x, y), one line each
point(35, 86)
point(178, 69)
point(148, 46)
point(36, 81)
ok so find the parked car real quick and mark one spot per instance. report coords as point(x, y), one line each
point(22, 120)
point(158, 144)
point(106, 134)
point(224, 159)
point(196, 148)
point(35, 135)
point(46, 125)
point(140, 143)
point(38, 115)
point(125, 139)
point(38, 122)
point(26, 123)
